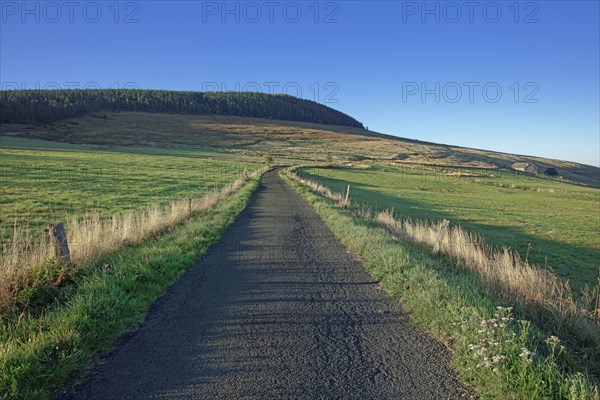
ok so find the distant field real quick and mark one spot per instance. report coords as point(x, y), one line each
point(559, 222)
point(43, 182)
point(288, 141)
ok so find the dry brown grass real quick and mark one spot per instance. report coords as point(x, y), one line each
point(500, 269)
point(23, 259)
point(299, 142)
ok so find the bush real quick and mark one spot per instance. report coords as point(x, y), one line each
point(551, 171)
point(267, 159)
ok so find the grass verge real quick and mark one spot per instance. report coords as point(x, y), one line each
point(495, 348)
point(40, 355)
point(31, 273)
point(539, 293)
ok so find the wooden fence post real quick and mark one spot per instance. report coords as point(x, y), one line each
point(347, 195)
point(190, 206)
point(58, 236)
point(440, 237)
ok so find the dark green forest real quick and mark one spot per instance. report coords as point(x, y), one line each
point(47, 106)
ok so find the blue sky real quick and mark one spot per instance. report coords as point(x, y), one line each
point(515, 77)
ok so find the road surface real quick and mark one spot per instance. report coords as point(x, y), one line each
point(277, 310)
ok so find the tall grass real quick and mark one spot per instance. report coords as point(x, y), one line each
point(488, 202)
point(502, 271)
point(29, 260)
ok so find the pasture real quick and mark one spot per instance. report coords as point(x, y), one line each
point(45, 182)
point(551, 223)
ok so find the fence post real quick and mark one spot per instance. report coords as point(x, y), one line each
point(58, 236)
point(347, 195)
point(440, 237)
point(190, 206)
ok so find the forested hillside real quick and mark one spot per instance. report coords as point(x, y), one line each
point(44, 106)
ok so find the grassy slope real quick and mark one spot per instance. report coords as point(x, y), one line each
point(44, 354)
point(454, 305)
point(284, 139)
point(46, 182)
point(559, 221)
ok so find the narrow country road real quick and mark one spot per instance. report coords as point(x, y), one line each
point(277, 310)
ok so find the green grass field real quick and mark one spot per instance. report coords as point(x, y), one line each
point(558, 222)
point(46, 182)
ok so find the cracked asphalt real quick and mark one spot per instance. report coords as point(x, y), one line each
point(277, 310)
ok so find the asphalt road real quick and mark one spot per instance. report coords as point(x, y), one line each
point(277, 310)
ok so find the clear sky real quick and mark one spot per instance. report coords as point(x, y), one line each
point(520, 77)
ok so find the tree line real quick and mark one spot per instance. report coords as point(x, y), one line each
point(47, 106)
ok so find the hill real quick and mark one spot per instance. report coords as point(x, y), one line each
point(287, 141)
point(45, 106)
point(117, 162)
